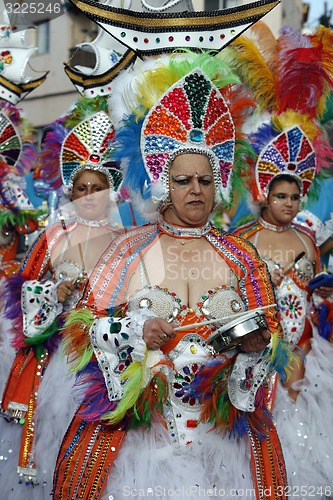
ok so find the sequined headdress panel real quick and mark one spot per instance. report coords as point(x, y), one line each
point(87, 146)
point(10, 141)
point(290, 153)
point(191, 117)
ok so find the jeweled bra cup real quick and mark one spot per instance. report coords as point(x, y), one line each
point(220, 302)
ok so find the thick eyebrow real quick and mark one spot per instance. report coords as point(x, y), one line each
point(286, 194)
point(82, 184)
point(186, 176)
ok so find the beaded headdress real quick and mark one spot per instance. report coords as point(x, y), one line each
point(10, 141)
point(289, 153)
point(87, 147)
point(291, 77)
point(191, 117)
point(178, 104)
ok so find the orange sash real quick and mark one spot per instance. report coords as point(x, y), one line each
point(86, 456)
point(270, 478)
point(20, 402)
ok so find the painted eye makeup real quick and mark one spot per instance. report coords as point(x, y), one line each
point(205, 181)
point(181, 181)
point(282, 196)
point(185, 180)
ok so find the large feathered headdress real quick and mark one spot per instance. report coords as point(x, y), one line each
point(190, 103)
point(292, 78)
point(53, 168)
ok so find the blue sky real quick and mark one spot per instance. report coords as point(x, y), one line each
point(317, 9)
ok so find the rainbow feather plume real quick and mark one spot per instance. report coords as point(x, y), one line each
point(91, 390)
point(83, 108)
point(133, 375)
point(127, 144)
point(171, 69)
point(303, 78)
point(76, 341)
point(210, 386)
point(282, 354)
point(255, 70)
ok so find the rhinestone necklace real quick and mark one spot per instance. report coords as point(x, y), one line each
point(183, 232)
point(92, 223)
point(273, 227)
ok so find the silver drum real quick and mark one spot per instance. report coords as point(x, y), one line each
point(231, 334)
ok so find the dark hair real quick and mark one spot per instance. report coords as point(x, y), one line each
point(291, 179)
point(101, 175)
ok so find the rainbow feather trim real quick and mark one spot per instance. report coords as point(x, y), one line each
point(282, 354)
point(133, 375)
point(76, 341)
point(90, 387)
point(210, 387)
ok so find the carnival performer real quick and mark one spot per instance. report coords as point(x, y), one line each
point(17, 214)
point(291, 147)
point(150, 386)
point(17, 152)
point(293, 260)
point(37, 404)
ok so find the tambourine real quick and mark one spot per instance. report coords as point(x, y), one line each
point(231, 334)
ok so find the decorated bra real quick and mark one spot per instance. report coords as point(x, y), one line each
point(220, 302)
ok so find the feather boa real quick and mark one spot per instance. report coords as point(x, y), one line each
point(210, 387)
point(151, 401)
point(91, 389)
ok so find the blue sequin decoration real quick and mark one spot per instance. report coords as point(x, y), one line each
point(309, 162)
point(272, 155)
point(156, 142)
point(68, 168)
point(224, 151)
point(294, 140)
point(196, 136)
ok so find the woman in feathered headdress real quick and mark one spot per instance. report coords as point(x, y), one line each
point(149, 385)
point(291, 147)
point(37, 404)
